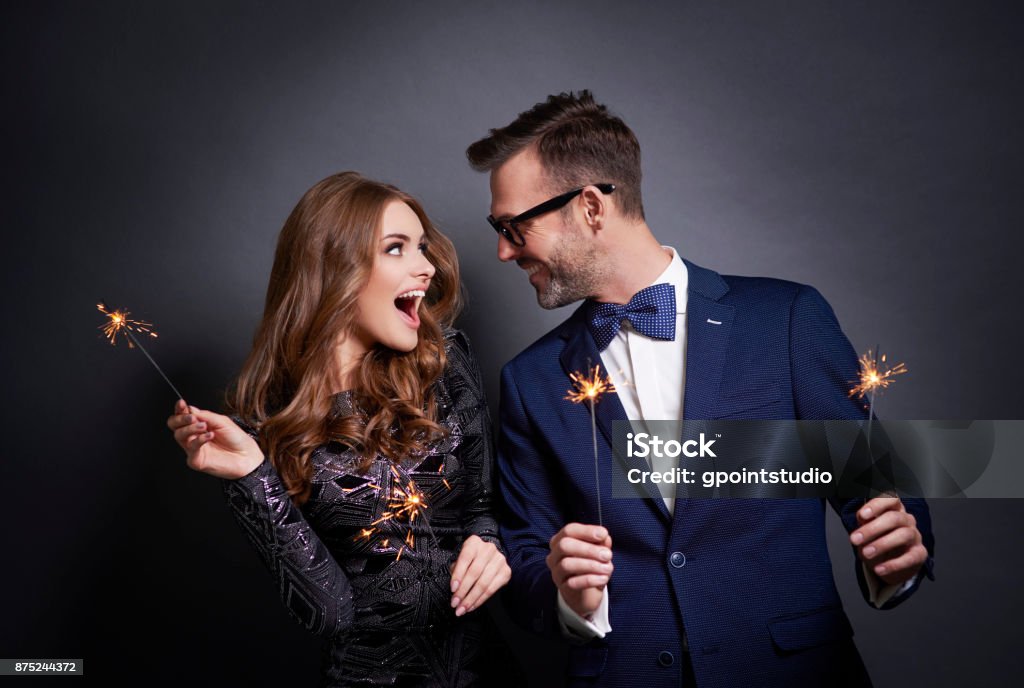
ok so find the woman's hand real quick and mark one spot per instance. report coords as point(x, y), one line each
point(479, 572)
point(213, 443)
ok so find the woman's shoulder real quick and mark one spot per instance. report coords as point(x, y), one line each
point(455, 338)
point(461, 372)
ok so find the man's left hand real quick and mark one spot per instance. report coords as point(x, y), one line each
point(888, 540)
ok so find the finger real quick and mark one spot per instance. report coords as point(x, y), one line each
point(192, 447)
point(465, 558)
point(903, 567)
point(495, 580)
point(877, 506)
point(575, 566)
point(469, 580)
point(879, 526)
point(581, 531)
point(182, 434)
point(478, 593)
point(891, 544)
point(588, 581)
point(571, 547)
point(175, 422)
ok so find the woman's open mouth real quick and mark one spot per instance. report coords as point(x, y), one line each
point(408, 305)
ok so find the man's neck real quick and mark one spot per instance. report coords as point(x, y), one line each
point(636, 260)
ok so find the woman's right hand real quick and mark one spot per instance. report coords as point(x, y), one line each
point(213, 443)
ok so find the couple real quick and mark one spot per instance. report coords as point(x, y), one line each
point(359, 459)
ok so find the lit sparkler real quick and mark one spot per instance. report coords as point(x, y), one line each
point(406, 503)
point(118, 322)
point(874, 377)
point(589, 388)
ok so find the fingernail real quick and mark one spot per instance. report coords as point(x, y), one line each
point(880, 569)
point(868, 551)
point(189, 419)
point(857, 538)
point(455, 602)
point(455, 585)
point(201, 426)
point(605, 554)
point(208, 435)
point(460, 611)
point(865, 513)
point(600, 534)
point(606, 567)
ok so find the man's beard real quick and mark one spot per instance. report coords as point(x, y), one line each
point(573, 272)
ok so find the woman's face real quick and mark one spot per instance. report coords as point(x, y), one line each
point(389, 303)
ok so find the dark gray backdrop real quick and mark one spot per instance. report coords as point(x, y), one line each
point(152, 152)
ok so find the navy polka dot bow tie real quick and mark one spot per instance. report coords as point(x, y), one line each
point(651, 312)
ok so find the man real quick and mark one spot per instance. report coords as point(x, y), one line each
point(668, 592)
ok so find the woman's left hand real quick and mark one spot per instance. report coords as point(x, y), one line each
point(479, 572)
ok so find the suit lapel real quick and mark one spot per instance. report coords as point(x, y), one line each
point(708, 324)
point(581, 352)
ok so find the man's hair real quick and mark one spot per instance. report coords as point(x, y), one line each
point(579, 143)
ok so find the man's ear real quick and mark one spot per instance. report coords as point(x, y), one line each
point(595, 207)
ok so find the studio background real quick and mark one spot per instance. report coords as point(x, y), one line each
point(153, 150)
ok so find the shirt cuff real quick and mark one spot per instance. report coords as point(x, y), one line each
point(878, 591)
point(577, 627)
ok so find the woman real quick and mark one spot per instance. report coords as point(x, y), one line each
point(360, 463)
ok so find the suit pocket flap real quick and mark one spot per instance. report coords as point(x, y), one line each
point(587, 661)
point(799, 632)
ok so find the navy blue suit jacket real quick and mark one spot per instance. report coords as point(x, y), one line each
point(753, 585)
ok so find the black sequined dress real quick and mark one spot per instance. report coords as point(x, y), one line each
point(378, 587)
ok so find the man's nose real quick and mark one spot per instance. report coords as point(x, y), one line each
point(506, 249)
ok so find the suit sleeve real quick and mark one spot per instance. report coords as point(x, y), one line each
point(530, 516)
point(824, 364)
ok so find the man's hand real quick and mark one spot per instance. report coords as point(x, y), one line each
point(888, 540)
point(581, 565)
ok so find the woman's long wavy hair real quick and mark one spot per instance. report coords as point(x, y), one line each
point(325, 256)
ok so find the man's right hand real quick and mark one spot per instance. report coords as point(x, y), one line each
point(581, 565)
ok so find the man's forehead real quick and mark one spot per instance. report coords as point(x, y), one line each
point(516, 183)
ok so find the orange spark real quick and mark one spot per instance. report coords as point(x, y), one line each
point(873, 376)
point(118, 322)
point(590, 387)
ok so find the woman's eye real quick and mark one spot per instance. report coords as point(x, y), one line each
point(394, 250)
point(423, 248)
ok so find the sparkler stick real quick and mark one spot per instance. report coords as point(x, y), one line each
point(590, 388)
point(873, 379)
point(119, 323)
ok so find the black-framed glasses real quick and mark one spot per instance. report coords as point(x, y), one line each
point(510, 228)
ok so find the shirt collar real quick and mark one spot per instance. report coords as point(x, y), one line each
point(676, 275)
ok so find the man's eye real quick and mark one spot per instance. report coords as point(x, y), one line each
point(394, 250)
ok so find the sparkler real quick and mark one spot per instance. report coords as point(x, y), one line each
point(874, 376)
point(406, 503)
point(118, 322)
point(590, 388)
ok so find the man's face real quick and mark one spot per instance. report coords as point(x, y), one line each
point(557, 257)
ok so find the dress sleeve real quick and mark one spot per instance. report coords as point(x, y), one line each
point(312, 586)
point(464, 387)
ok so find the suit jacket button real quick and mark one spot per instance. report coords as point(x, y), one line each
point(677, 559)
point(665, 658)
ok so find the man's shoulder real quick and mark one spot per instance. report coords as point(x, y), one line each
point(739, 290)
